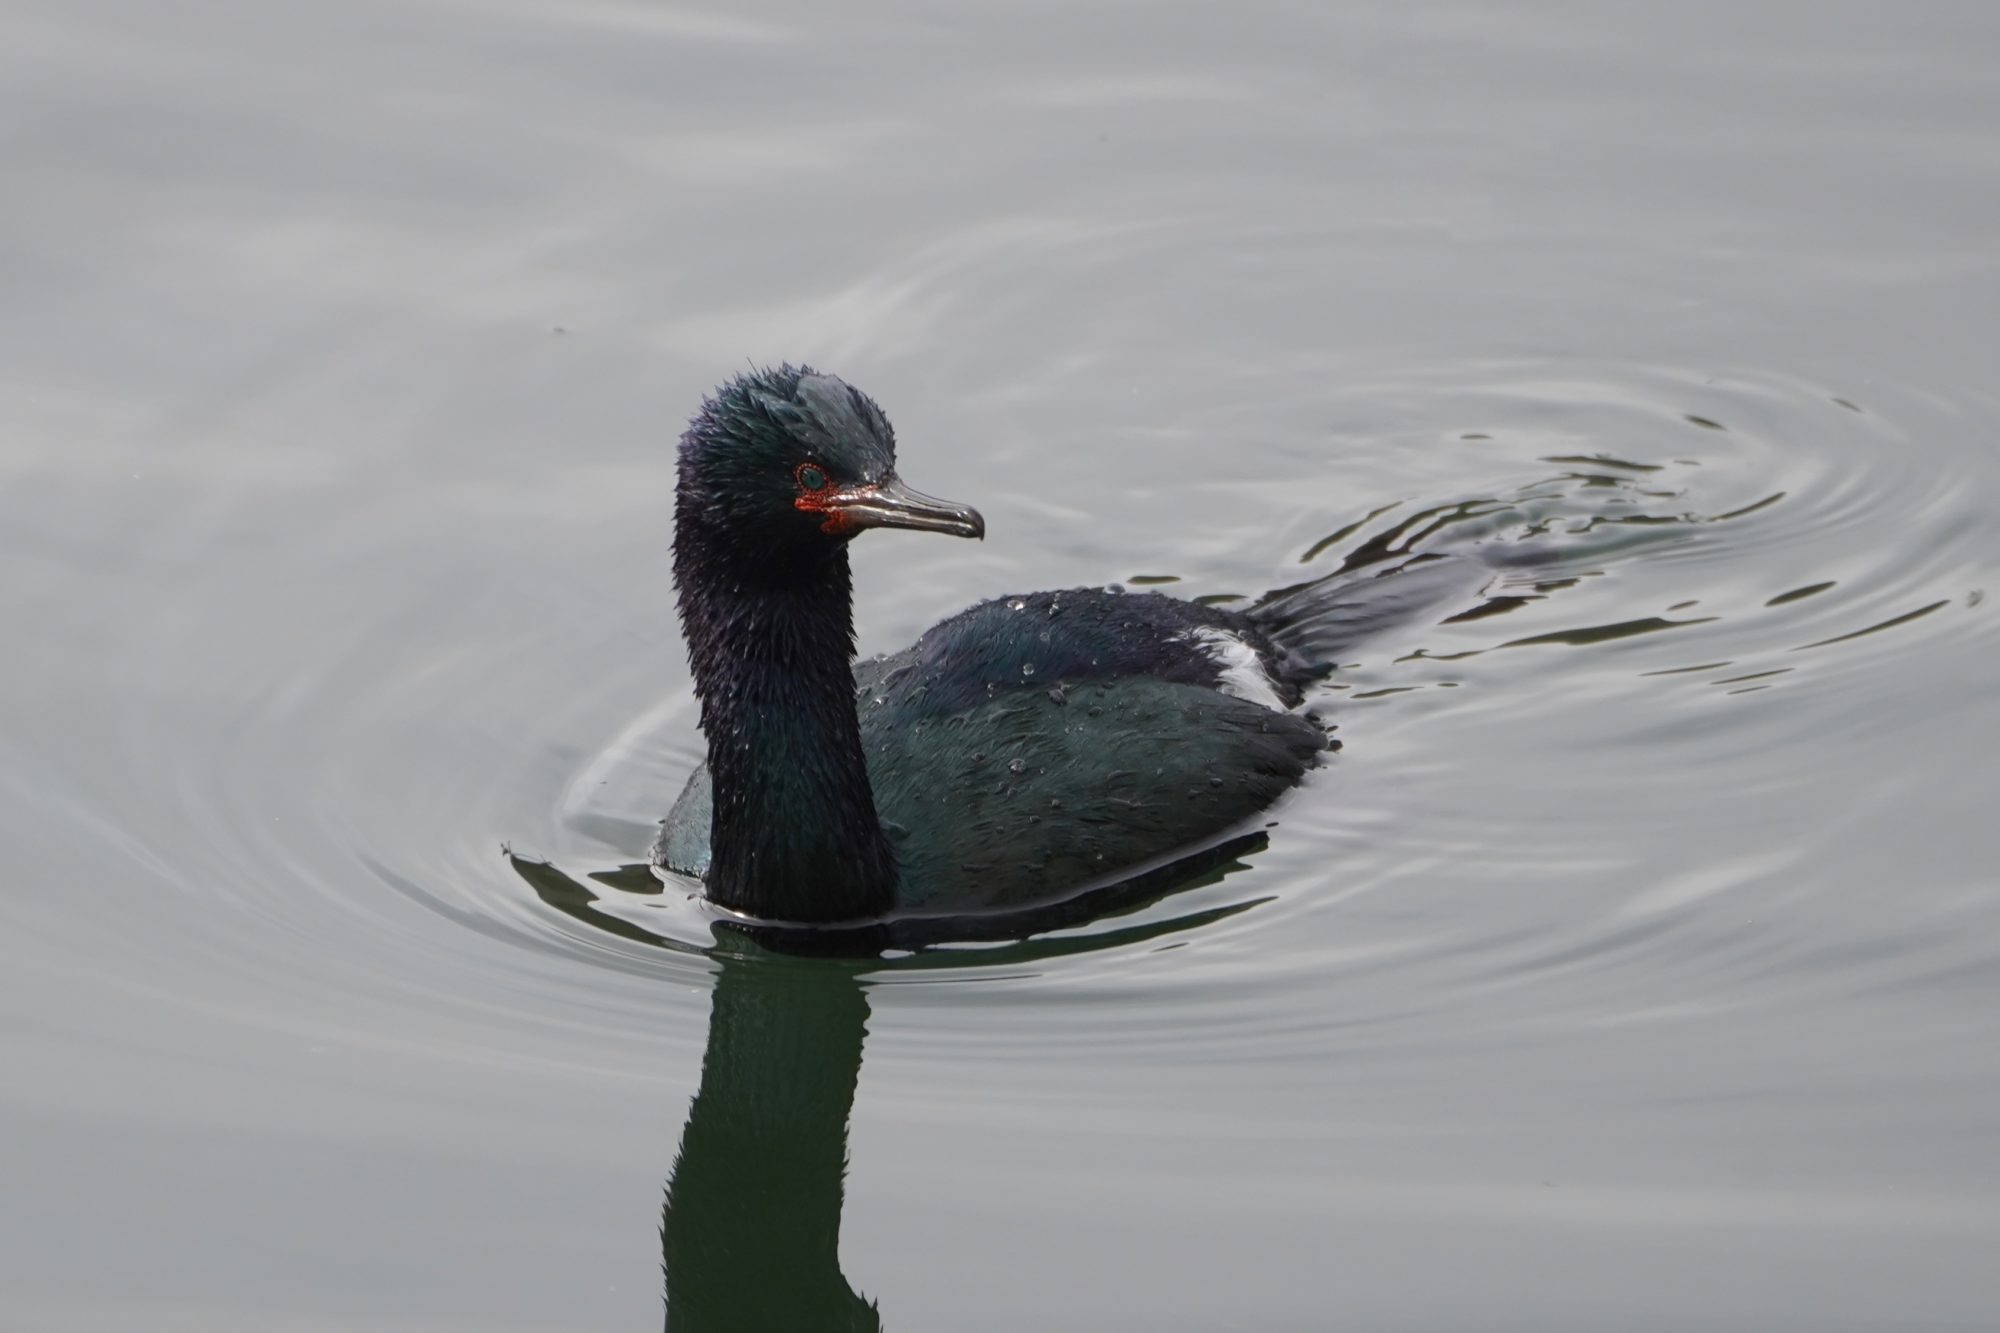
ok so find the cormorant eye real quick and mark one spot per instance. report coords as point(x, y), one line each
point(810, 477)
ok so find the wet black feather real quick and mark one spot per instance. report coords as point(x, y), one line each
point(1015, 753)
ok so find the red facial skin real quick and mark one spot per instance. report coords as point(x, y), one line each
point(823, 499)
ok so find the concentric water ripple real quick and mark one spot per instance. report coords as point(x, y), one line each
point(1640, 939)
point(1667, 549)
point(1685, 573)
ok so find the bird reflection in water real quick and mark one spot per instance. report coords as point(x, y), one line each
point(750, 1229)
point(750, 1233)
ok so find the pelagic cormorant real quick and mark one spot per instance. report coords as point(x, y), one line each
point(1016, 752)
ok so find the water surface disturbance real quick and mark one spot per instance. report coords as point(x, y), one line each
point(1642, 976)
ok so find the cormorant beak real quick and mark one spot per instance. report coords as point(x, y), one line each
point(888, 503)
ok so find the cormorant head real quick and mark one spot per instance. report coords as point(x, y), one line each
point(787, 460)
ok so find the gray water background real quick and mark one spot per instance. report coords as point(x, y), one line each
point(1634, 981)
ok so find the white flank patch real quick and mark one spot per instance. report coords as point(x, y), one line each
point(1243, 673)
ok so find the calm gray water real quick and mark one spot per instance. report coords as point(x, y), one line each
point(1636, 965)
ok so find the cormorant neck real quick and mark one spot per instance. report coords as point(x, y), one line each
point(794, 834)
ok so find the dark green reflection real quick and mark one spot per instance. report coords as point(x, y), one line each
point(1623, 629)
point(1798, 594)
point(750, 1229)
point(750, 1233)
point(1891, 623)
point(1021, 935)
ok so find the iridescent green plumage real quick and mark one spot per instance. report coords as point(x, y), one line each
point(1018, 753)
point(1030, 745)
